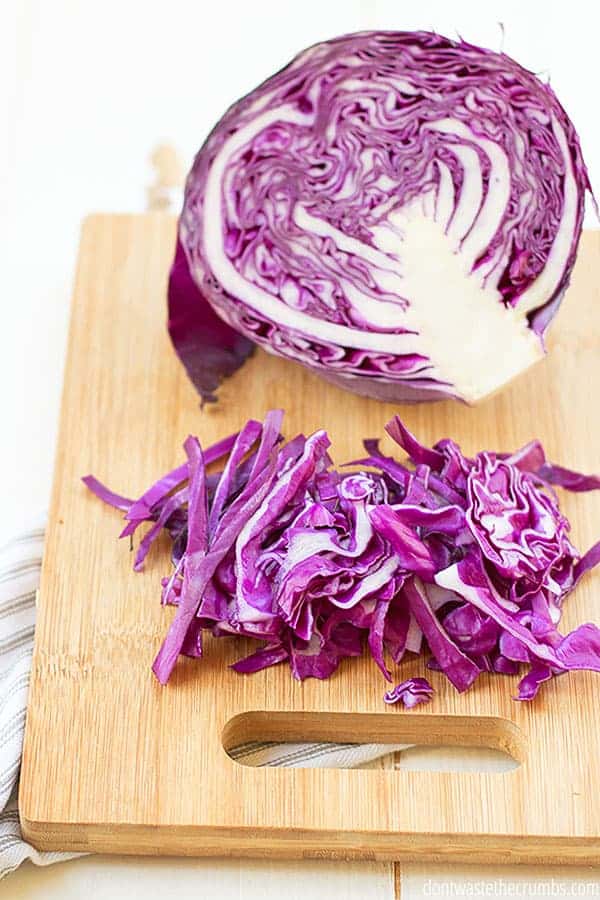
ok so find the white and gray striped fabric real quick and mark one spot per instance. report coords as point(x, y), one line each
point(20, 562)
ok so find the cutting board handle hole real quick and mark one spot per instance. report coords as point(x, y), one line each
point(504, 740)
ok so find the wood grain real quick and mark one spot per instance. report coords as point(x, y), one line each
point(114, 762)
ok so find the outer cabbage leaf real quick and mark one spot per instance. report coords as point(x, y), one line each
point(208, 348)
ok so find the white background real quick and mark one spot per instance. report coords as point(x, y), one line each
point(87, 89)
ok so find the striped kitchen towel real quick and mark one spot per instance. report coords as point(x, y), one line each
point(19, 575)
point(20, 562)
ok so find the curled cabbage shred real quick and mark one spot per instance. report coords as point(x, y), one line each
point(397, 211)
point(410, 692)
point(465, 559)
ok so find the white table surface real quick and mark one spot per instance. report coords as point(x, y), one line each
point(87, 89)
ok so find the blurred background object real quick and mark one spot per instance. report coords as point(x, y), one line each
point(165, 192)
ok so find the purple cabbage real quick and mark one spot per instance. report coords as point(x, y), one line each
point(397, 211)
point(209, 349)
point(410, 692)
point(466, 559)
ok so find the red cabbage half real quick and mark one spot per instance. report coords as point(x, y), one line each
point(397, 211)
point(467, 557)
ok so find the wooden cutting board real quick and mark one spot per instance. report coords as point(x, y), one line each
point(114, 762)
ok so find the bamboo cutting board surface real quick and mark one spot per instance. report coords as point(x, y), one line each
point(114, 762)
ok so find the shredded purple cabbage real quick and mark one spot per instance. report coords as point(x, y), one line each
point(467, 559)
point(410, 692)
